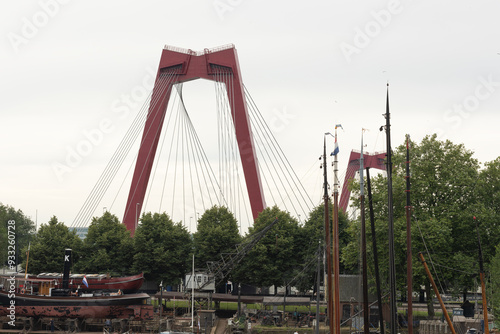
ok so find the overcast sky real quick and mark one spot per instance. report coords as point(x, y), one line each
point(307, 64)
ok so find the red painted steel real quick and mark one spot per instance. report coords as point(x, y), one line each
point(194, 65)
point(376, 160)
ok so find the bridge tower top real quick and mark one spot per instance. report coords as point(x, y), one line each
point(375, 160)
point(179, 65)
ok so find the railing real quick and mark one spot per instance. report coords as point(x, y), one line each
point(219, 48)
point(198, 53)
point(368, 153)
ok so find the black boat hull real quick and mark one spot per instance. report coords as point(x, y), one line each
point(123, 306)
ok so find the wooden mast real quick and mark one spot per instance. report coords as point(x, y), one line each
point(336, 257)
point(375, 253)
point(436, 291)
point(392, 265)
point(483, 288)
point(328, 246)
point(409, 271)
point(366, 318)
point(27, 260)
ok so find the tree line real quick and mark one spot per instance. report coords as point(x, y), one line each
point(163, 250)
point(448, 188)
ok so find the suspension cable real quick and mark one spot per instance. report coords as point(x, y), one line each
point(284, 161)
point(158, 157)
point(101, 186)
point(160, 95)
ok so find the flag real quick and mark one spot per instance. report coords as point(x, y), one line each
point(336, 149)
point(85, 281)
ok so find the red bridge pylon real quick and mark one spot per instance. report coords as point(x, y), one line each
point(177, 66)
point(376, 160)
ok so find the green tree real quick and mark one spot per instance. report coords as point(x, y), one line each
point(217, 233)
point(162, 249)
point(443, 183)
point(48, 245)
point(22, 234)
point(443, 178)
point(274, 260)
point(488, 208)
point(488, 221)
point(313, 232)
point(495, 285)
point(108, 247)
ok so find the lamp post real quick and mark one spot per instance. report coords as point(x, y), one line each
point(136, 214)
point(161, 306)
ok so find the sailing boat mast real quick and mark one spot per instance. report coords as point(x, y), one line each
point(328, 252)
point(392, 265)
point(363, 242)
point(375, 253)
point(483, 288)
point(409, 271)
point(27, 260)
point(336, 273)
point(318, 295)
point(192, 297)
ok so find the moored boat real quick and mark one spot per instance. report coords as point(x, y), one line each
point(46, 297)
point(127, 284)
point(41, 298)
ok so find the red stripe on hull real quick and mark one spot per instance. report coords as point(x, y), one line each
point(127, 284)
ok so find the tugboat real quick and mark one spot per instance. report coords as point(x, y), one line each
point(34, 297)
point(127, 284)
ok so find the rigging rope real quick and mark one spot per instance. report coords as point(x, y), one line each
point(428, 253)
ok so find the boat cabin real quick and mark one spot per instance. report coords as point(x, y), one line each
point(27, 286)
